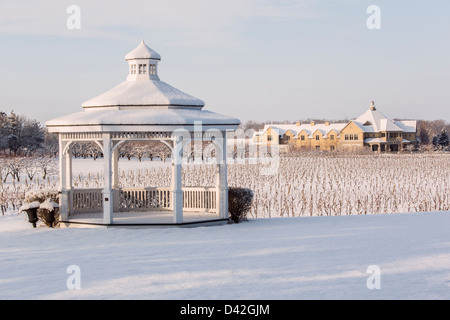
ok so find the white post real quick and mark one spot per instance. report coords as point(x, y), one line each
point(177, 193)
point(115, 168)
point(68, 160)
point(107, 190)
point(222, 178)
point(115, 178)
point(63, 197)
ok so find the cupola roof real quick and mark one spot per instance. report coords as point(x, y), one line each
point(142, 51)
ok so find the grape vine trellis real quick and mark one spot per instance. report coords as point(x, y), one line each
point(308, 184)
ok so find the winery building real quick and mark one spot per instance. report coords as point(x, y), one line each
point(372, 129)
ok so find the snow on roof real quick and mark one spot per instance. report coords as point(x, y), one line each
point(374, 121)
point(142, 51)
point(407, 125)
point(388, 125)
point(308, 128)
point(366, 127)
point(370, 121)
point(143, 93)
point(177, 117)
point(374, 140)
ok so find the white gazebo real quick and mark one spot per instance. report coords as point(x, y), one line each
point(142, 108)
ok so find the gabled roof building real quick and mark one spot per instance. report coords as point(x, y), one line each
point(371, 129)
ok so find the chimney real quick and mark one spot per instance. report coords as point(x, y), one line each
point(372, 106)
point(327, 123)
point(312, 123)
point(297, 123)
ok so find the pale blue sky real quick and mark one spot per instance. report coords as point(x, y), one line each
point(253, 59)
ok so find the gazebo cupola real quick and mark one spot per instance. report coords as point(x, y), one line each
point(142, 88)
point(143, 63)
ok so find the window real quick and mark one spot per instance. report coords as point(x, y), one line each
point(287, 138)
point(331, 148)
point(332, 137)
point(142, 69)
point(351, 137)
point(317, 137)
point(394, 135)
point(133, 69)
point(383, 134)
point(269, 138)
point(302, 137)
point(152, 69)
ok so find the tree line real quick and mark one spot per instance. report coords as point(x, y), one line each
point(21, 136)
point(24, 137)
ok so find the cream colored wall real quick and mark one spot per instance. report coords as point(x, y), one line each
point(303, 143)
point(351, 129)
point(273, 133)
point(288, 137)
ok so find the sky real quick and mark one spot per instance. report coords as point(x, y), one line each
point(260, 60)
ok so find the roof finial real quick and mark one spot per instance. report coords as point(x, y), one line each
point(372, 106)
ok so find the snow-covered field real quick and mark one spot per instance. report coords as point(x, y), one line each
point(286, 251)
point(269, 258)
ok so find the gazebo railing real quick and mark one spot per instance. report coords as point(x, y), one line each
point(86, 200)
point(144, 199)
point(199, 199)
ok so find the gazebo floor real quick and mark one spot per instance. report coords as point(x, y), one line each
point(144, 219)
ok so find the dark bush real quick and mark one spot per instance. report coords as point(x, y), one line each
point(239, 203)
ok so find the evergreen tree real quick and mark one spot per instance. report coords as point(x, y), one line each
point(13, 130)
point(435, 141)
point(17, 133)
point(3, 122)
point(442, 138)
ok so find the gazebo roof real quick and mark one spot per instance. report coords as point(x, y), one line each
point(141, 100)
point(144, 94)
point(98, 119)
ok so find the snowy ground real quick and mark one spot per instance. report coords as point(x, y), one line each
point(272, 258)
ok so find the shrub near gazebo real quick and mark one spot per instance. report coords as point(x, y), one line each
point(239, 203)
point(41, 204)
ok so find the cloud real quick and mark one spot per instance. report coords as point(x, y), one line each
point(194, 22)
